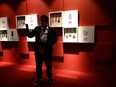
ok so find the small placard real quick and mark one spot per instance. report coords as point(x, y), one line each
point(86, 34)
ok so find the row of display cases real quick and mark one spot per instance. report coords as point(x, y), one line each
point(63, 18)
point(67, 20)
point(56, 19)
point(9, 35)
point(81, 34)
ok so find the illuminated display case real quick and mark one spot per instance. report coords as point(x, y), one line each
point(70, 35)
point(31, 20)
point(20, 21)
point(70, 18)
point(86, 34)
point(55, 19)
point(4, 24)
point(13, 35)
point(3, 35)
point(70, 26)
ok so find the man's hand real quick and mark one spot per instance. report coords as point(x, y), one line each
point(27, 27)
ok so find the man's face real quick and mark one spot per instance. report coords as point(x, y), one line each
point(44, 22)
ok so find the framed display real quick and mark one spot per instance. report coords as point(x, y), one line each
point(70, 18)
point(3, 35)
point(32, 20)
point(13, 35)
point(4, 24)
point(86, 34)
point(20, 21)
point(55, 19)
point(70, 35)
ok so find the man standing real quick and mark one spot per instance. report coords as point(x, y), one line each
point(45, 37)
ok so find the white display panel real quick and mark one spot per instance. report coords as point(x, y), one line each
point(70, 35)
point(70, 18)
point(13, 35)
point(3, 35)
point(32, 21)
point(55, 19)
point(86, 34)
point(30, 39)
point(4, 24)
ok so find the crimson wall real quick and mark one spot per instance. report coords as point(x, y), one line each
point(75, 57)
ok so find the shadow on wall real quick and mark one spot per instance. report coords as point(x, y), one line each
point(13, 3)
point(48, 2)
point(75, 48)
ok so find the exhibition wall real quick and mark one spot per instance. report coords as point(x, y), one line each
point(68, 56)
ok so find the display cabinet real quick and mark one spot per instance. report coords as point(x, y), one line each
point(31, 20)
point(86, 34)
point(4, 24)
point(13, 35)
point(70, 18)
point(70, 35)
point(3, 35)
point(20, 21)
point(30, 39)
point(55, 19)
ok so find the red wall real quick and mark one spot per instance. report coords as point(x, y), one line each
point(76, 57)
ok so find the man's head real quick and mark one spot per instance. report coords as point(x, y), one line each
point(44, 20)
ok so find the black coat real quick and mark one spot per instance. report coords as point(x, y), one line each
point(51, 38)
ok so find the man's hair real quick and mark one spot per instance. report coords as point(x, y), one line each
point(44, 17)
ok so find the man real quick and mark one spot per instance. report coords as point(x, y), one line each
point(45, 37)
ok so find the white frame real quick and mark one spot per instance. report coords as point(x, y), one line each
point(2, 36)
point(56, 24)
point(71, 37)
point(70, 18)
point(6, 23)
point(13, 35)
point(86, 34)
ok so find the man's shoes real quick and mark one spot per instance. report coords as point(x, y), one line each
point(37, 81)
point(51, 80)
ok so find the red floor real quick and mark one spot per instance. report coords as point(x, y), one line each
point(12, 75)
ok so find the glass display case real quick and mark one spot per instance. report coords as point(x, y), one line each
point(13, 35)
point(31, 20)
point(3, 35)
point(70, 35)
point(20, 21)
point(70, 18)
point(55, 19)
point(4, 24)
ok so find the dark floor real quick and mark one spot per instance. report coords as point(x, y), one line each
point(12, 75)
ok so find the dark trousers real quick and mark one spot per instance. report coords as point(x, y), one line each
point(47, 59)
